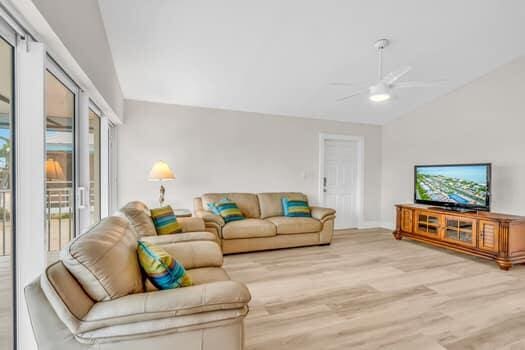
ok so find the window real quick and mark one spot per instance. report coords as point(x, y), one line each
point(94, 167)
point(60, 164)
point(6, 194)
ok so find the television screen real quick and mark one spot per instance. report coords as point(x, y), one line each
point(466, 186)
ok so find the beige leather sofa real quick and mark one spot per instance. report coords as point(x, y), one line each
point(265, 227)
point(95, 298)
point(138, 214)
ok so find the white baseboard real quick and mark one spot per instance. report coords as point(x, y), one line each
point(370, 224)
point(388, 225)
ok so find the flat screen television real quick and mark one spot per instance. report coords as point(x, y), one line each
point(462, 186)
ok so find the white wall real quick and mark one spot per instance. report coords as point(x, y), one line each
point(80, 27)
point(483, 121)
point(214, 150)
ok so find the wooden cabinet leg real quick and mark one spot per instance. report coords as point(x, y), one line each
point(397, 235)
point(504, 265)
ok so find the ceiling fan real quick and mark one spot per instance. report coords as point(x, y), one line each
point(382, 90)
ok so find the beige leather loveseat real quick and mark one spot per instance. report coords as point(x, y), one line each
point(95, 297)
point(265, 227)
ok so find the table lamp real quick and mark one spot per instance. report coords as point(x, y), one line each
point(161, 172)
point(54, 170)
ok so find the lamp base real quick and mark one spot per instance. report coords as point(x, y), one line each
point(161, 197)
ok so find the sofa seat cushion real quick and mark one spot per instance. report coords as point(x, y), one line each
point(205, 275)
point(248, 228)
point(287, 225)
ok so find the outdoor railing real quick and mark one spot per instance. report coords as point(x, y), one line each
point(5, 222)
point(60, 220)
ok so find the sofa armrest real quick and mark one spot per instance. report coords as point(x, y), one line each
point(322, 214)
point(165, 304)
point(209, 217)
point(192, 224)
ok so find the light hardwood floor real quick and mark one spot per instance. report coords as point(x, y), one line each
point(369, 291)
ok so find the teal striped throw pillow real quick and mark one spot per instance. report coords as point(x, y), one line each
point(295, 208)
point(213, 208)
point(161, 268)
point(228, 210)
point(165, 221)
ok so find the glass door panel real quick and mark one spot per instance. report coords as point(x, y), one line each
point(460, 230)
point(60, 164)
point(94, 167)
point(6, 195)
point(428, 224)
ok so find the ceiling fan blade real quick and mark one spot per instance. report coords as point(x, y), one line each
point(342, 84)
point(413, 84)
point(350, 96)
point(391, 77)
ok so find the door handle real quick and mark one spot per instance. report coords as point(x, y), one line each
point(81, 195)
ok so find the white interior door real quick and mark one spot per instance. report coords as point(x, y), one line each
point(340, 180)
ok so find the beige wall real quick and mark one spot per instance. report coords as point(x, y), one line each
point(79, 25)
point(482, 122)
point(214, 150)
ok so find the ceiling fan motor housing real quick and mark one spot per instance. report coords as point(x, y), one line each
point(381, 44)
point(379, 88)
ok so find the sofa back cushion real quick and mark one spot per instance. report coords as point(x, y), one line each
point(270, 202)
point(104, 260)
point(247, 202)
point(139, 217)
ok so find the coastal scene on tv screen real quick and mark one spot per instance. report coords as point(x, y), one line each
point(462, 185)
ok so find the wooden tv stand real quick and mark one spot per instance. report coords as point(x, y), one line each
point(498, 237)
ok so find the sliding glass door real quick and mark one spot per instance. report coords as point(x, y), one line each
point(6, 193)
point(60, 169)
point(94, 167)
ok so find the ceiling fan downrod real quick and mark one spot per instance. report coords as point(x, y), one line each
point(380, 46)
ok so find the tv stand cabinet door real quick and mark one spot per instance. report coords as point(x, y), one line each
point(488, 234)
point(428, 224)
point(460, 230)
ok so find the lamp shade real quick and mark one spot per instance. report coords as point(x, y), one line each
point(161, 171)
point(54, 170)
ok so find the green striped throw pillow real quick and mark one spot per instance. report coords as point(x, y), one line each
point(228, 210)
point(295, 208)
point(165, 221)
point(161, 268)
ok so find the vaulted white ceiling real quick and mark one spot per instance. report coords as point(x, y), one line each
point(280, 56)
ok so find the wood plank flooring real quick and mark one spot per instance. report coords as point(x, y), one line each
point(5, 302)
point(369, 291)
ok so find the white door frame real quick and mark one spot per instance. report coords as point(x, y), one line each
point(359, 196)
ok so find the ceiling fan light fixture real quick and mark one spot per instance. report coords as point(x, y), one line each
point(379, 97)
point(379, 93)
